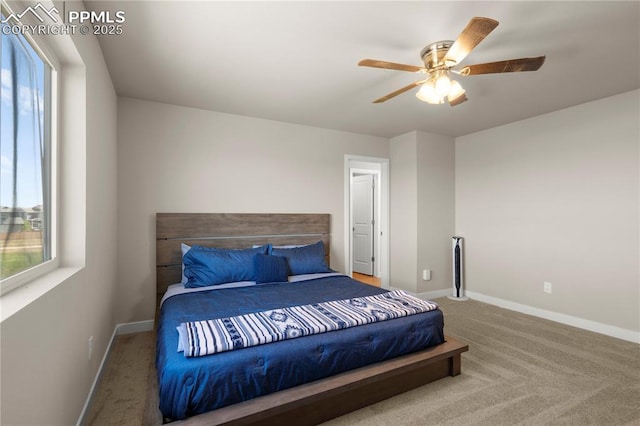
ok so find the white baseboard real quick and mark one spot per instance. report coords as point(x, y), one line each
point(127, 328)
point(81, 420)
point(435, 294)
point(608, 330)
point(134, 327)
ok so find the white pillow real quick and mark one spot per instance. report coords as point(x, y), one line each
point(185, 248)
point(283, 247)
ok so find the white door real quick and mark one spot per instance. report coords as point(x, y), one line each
point(363, 221)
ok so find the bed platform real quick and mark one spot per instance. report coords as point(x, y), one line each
point(307, 404)
point(326, 399)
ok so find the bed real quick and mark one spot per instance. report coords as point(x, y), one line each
point(310, 379)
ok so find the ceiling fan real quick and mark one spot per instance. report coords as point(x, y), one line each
point(441, 59)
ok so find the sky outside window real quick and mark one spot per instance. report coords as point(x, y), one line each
point(24, 216)
point(29, 166)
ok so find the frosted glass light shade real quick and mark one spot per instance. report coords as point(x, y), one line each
point(443, 85)
point(427, 93)
point(455, 91)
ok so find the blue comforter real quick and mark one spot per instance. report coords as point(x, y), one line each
point(190, 386)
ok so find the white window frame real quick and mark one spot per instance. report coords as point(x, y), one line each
point(51, 127)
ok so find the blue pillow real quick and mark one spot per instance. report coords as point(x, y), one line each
point(307, 259)
point(270, 269)
point(205, 266)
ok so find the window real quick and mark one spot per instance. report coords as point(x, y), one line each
point(26, 183)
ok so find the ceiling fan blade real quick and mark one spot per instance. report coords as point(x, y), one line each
point(475, 31)
point(511, 65)
point(388, 65)
point(397, 92)
point(457, 101)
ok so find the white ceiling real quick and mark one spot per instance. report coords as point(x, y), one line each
point(297, 61)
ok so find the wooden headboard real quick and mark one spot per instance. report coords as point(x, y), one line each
point(230, 230)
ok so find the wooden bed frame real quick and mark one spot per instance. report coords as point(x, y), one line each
point(307, 404)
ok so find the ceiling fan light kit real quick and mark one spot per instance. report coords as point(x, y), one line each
point(441, 57)
point(440, 86)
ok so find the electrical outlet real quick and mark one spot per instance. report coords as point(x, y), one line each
point(547, 287)
point(426, 274)
point(90, 347)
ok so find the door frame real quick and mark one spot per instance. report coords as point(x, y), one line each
point(373, 165)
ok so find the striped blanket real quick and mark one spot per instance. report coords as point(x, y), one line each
point(201, 338)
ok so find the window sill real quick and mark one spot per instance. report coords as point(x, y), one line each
point(18, 299)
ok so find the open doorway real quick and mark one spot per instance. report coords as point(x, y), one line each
point(367, 219)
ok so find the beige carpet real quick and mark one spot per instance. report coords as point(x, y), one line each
point(519, 370)
point(122, 391)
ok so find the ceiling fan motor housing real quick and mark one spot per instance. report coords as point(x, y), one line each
point(433, 54)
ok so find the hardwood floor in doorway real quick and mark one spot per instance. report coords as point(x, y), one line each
point(367, 279)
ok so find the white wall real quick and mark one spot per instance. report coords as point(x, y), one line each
point(177, 159)
point(403, 212)
point(422, 210)
point(46, 374)
point(556, 198)
point(436, 209)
